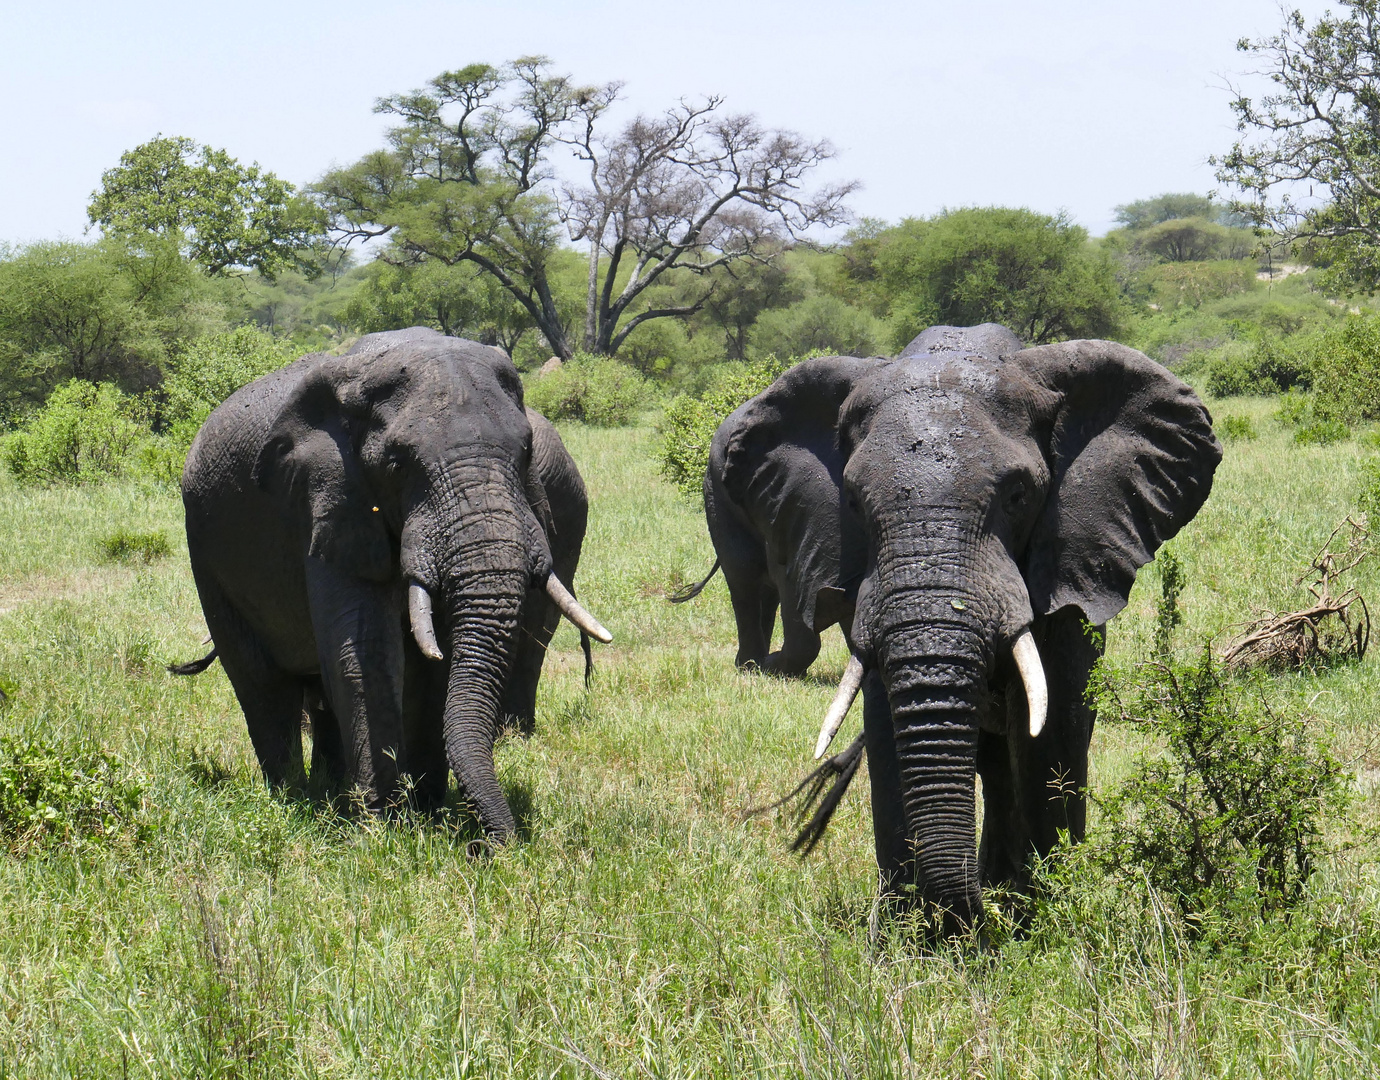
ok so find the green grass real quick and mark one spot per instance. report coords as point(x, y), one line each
point(643, 928)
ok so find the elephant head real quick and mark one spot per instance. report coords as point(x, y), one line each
point(409, 461)
point(995, 486)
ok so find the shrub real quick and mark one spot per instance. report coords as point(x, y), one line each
point(1236, 428)
point(596, 390)
point(1368, 501)
point(49, 800)
point(212, 367)
point(1294, 409)
point(1167, 613)
point(689, 423)
point(1229, 815)
point(1347, 370)
point(84, 433)
point(822, 324)
point(1320, 431)
point(1177, 285)
point(1268, 365)
point(125, 546)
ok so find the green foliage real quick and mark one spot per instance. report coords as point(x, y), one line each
point(1347, 370)
point(1270, 364)
point(1234, 427)
point(1195, 239)
point(1368, 498)
point(1321, 431)
point(1228, 819)
point(221, 214)
point(461, 301)
point(84, 434)
point(1146, 213)
point(208, 370)
point(820, 324)
point(1167, 613)
point(688, 424)
point(50, 800)
point(1031, 272)
point(596, 390)
point(126, 546)
point(100, 312)
point(1173, 285)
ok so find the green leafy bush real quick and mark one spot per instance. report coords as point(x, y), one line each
point(1236, 428)
point(1270, 364)
point(1368, 500)
point(1175, 285)
point(85, 433)
point(1229, 815)
point(689, 423)
point(126, 546)
point(596, 390)
point(820, 324)
point(1347, 370)
point(1321, 431)
point(1167, 613)
point(49, 800)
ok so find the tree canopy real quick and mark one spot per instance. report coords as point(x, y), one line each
point(223, 215)
point(1308, 160)
point(467, 177)
point(1032, 272)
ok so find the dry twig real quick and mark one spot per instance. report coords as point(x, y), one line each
point(1336, 625)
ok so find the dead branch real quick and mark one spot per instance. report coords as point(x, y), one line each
point(1334, 627)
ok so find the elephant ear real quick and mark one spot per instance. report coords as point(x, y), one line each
point(309, 458)
point(1132, 455)
point(780, 459)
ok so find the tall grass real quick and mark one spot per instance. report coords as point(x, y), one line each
point(642, 928)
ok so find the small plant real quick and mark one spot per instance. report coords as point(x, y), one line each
point(1368, 500)
point(596, 390)
point(48, 799)
point(1321, 431)
point(1167, 613)
point(126, 546)
point(1230, 814)
point(1294, 409)
point(1236, 428)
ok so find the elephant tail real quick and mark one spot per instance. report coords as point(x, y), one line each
point(841, 768)
point(589, 658)
point(692, 591)
point(193, 667)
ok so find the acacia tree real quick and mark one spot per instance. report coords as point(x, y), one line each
point(221, 214)
point(467, 177)
point(1313, 142)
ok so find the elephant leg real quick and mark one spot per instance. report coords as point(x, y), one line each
point(424, 698)
point(895, 857)
point(1002, 851)
point(1052, 771)
point(799, 645)
point(754, 610)
point(358, 629)
point(536, 626)
point(327, 751)
point(270, 697)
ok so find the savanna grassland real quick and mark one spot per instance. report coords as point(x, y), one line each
point(641, 926)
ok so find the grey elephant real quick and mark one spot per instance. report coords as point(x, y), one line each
point(967, 512)
point(387, 539)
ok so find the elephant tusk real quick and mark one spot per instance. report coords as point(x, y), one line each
point(571, 609)
point(848, 689)
point(1033, 675)
point(419, 615)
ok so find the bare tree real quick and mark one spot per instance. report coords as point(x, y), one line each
point(467, 178)
point(1313, 141)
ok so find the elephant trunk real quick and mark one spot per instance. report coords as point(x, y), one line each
point(483, 618)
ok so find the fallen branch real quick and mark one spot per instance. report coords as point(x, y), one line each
point(1334, 627)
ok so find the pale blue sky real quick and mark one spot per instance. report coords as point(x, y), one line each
point(1050, 105)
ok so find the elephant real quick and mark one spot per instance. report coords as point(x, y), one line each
point(386, 540)
point(971, 513)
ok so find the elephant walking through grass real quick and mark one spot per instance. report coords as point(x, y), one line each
point(388, 539)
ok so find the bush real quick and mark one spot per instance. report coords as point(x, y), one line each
point(125, 546)
point(1175, 285)
point(1347, 370)
point(1230, 814)
point(49, 800)
point(820, 324)
point(212, 367)
point(1269, 365)
point(1320, 431)
point(689, 423)
point(84, 434)
point(596, 390)
point(1236, 428)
